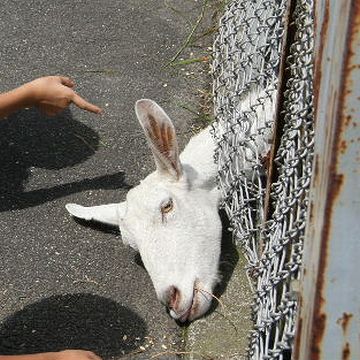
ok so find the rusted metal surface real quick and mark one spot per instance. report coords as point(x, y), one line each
point(344, 321)
point(329, 320)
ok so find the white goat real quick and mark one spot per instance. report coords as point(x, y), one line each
point(172, 217)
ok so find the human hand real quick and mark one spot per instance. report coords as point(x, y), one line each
point(52, 94)
point(58, 355)
point(74, 355)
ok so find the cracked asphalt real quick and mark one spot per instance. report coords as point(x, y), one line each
point(63, 284)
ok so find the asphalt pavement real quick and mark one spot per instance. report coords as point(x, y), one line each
point(63, 284)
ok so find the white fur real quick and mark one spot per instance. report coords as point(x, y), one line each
point(180, 248)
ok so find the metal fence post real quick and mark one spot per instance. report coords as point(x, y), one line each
point(329, 319)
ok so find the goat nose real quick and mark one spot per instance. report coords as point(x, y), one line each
point(173, 297)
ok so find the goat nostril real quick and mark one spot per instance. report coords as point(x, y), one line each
point(174, 297)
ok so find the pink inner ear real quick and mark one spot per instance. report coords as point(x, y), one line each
point(164, 142)
point(161, 136)
point(154, 130)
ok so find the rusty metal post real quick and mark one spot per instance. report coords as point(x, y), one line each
point(329, 319)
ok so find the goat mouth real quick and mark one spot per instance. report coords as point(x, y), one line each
point(188, 314)
point(191, 312)
point(185, 316)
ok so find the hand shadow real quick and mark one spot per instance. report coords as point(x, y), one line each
point(28, 139)
point(73, 321)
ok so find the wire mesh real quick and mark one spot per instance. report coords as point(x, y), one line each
point(268, 221)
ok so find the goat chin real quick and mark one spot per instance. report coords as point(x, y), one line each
point(197, 307)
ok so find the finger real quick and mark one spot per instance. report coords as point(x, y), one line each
point(85, 105)
point(67, 81)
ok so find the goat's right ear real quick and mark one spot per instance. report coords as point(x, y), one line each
point(108, 214)
point(161, 137)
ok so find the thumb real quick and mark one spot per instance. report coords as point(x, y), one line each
point(85, 105)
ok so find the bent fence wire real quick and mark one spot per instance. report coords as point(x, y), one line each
point(267, 220)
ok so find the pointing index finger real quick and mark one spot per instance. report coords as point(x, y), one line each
point(85, 105)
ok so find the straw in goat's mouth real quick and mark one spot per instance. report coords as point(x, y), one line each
point(211, 294)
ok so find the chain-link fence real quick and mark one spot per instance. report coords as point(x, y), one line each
point(263, 70)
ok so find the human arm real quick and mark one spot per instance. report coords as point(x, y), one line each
point(58, 355)
point(51, 94)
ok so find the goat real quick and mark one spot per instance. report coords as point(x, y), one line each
point(172, 216)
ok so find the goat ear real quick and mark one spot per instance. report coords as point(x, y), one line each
point(161, 137)
point(108, 214)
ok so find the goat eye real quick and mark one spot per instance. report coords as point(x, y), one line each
point(167, 207)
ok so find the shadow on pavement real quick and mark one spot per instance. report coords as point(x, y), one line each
point(74, 321)
point(228, 259)
point(29, 139)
